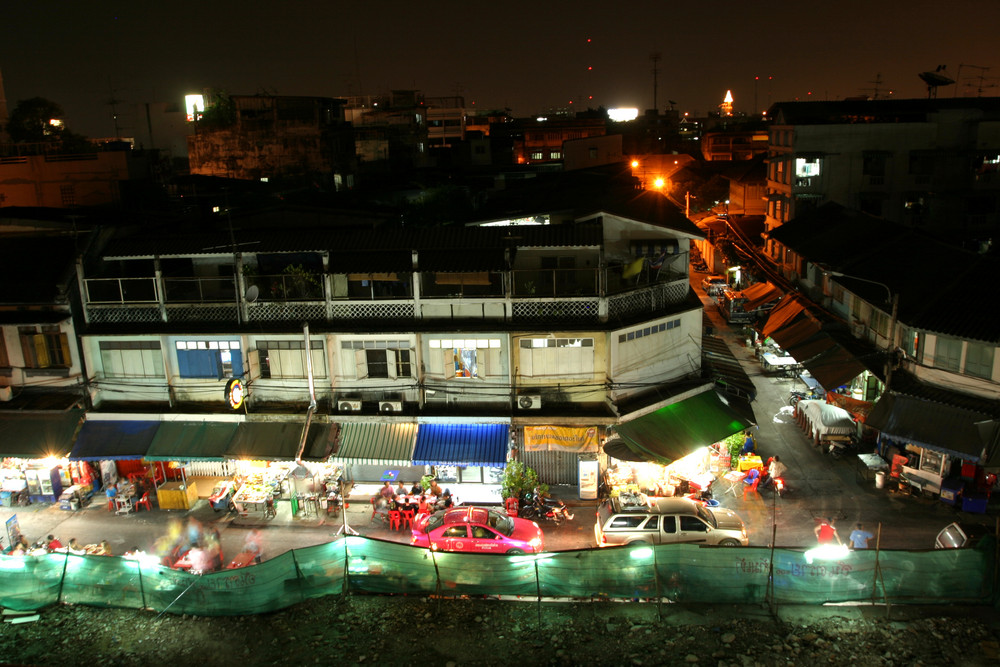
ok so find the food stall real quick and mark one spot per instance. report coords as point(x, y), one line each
point(258, 485)
point(690, 474)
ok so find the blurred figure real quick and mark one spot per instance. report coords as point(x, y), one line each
point(254, 543)
point(53, 543)
point(167, 546)
point(859, 537)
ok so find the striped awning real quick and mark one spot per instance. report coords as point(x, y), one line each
point(462, 445)
point(377, 444)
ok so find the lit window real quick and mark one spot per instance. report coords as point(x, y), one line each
point(805, 167)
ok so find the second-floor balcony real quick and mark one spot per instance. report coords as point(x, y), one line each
point(592, 295)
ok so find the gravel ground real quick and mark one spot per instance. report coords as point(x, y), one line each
point(384, 630)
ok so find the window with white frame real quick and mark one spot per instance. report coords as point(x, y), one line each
point(948, 354)
point(649, 331)
point(287, 359)
point(377, 358)
point(979, 360)
point(131, 358)
point(467, 357)
point(209, 358)
point(555, 356)
point(537, 155)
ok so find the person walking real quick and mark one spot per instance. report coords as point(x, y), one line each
point(859, 537)
point(826, 532)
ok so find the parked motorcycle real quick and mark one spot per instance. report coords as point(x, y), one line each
point(547, 509)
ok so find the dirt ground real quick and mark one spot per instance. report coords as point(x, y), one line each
point(385, 630)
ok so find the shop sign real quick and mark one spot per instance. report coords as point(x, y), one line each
point(560, 439)
point(235, 393)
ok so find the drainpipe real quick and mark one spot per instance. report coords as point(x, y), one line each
point(312, 396)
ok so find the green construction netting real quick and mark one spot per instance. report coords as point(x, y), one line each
point(681, 573)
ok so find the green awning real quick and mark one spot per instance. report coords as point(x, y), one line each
point(189, 441)
point(377, 444)
point(279, 441)
point(37, 435)
point(676, 430)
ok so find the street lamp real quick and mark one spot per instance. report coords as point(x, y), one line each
point(893, 300)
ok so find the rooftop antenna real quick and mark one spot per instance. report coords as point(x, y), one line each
point(878, 86)
point(935, 80)
point(655, 58)
point(982, 78)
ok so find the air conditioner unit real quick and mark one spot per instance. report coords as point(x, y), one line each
point(349, 405)
point(390, 406)
point(529, 402)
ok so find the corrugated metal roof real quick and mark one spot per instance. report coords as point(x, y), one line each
point(963, 433)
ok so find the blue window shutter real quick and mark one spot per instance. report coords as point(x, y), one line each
point(184, 363)
point(237, 356)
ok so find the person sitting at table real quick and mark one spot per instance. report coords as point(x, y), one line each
point(445, 502)
point(75, 547)
point(386, 494)
point(436, 489)
point(775, 468)
point(52, 543)
point(400, 489)
point(416, 489)
point(422, 506)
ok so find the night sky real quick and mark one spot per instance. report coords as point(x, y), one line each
point(526, 56)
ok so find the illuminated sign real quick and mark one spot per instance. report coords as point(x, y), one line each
point(235, 393)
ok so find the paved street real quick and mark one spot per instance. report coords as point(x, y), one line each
point(820, 486)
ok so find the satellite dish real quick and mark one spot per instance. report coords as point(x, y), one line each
point(935, 80)
point(252, 293)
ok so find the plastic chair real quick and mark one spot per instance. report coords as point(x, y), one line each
point(144, 501)
point(510, 506)
point(751, 481)
point(407, 518)
point(394, 519)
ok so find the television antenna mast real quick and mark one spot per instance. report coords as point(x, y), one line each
point(655, 58)
point(982, 78)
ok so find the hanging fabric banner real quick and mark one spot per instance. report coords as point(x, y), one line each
point(560, 439)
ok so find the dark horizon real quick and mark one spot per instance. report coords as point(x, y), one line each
point(531, 58)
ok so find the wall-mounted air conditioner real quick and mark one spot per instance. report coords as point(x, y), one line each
point(389, 407)
point(349, 405)
point(529, 401)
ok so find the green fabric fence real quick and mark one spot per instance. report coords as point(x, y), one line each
point(681, 573)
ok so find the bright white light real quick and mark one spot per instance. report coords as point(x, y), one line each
point(827, 552)
point(541, 119)
point(623, 114)
point(194, 104)
point(642, 552)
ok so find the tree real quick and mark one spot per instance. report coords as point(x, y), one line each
point(29, 121)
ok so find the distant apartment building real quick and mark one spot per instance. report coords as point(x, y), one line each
point(540, 140)
point(269, 137)
point(62, 181)
point(927, 163)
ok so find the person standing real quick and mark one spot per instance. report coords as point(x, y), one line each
point(826, 532)
point(859, 537)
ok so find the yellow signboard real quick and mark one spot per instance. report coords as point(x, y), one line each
point(560, 439)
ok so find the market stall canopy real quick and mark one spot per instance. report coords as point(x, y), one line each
point(618, 448)
point(787, 310)
point(191, 441)
point(860, 409)
point(827, 419)
point(676, 430)
point(964, 434)
point(759, 294)
point(113, 440)
point(377, 444)
point(462, 445)
point(279, 441)
point(38, 435)
point(825, 359)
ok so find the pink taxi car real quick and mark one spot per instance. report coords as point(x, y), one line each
point(477, 530)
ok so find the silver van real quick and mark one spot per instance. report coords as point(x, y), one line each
point(666, 520)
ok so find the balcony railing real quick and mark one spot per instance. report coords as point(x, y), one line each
point(521, 295)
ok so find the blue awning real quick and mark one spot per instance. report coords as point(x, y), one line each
point(462, 444)
point(116, 440)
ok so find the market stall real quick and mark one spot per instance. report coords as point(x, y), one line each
point(823, 421)
point(691, 474)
